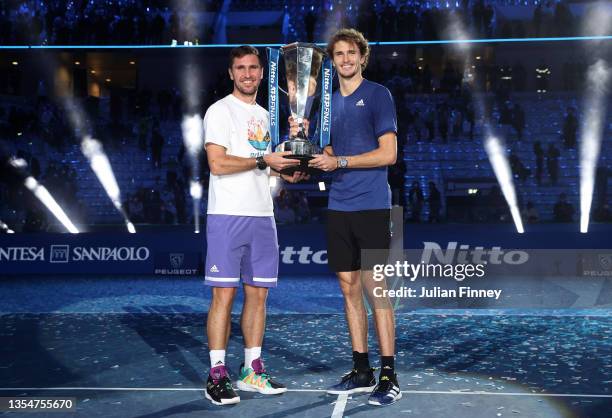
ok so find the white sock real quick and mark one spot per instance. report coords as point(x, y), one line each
point(251, 354)
point(217, 356)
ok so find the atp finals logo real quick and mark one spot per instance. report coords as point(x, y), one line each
point(256, 136)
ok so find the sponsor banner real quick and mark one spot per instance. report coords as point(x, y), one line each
point(101, 253)
point(303, 248)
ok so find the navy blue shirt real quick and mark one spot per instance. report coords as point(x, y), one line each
point(358, 120)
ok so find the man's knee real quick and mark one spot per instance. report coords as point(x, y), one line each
point(255, 294)
point(223, 295)
point(350, 283)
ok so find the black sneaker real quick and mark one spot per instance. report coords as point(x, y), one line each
point(387, 391)
point(219, 388)
point(355, 381)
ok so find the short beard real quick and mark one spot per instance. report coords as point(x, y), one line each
point(246, 92)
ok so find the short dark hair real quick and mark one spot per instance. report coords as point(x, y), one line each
point(351, 36)
point(241, 51)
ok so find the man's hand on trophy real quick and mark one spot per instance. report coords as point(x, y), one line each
point(278, 162)
point(323, 162)
point(296, 177)
point(294, 126)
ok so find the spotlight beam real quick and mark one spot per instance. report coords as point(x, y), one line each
point(193, 138)
point(6, 228)
point(45, 197)
point(597, 21)
point(591, 136)
point(98, 160)
point(497, 157)
point(503, 173)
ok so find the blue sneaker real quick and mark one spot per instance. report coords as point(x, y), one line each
point(386, 392)
point(355, 381)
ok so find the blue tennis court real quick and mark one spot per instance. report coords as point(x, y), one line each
point(136, 347)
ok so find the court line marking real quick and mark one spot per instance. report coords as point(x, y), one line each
point(339, 407)
point(414, 392)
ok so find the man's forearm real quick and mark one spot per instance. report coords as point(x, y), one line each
point(384, 155)
point(230, 164)
point(371, 159)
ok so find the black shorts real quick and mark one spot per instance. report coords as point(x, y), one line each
point(350, 232)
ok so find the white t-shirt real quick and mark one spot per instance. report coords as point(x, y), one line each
point(244, 131)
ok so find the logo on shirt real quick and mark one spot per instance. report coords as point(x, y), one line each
point(214, 269)
point(257, 134)
point(360, 103)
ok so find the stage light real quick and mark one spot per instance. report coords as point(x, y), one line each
point(42, 194)
point(108, 80)
point(100, 165)
point(45, 197)
point(5, 227)
point(195, 189)
point(501, 168)
point(193, 135)
point(193, 138)
point(98, 160)
point(132, 62)
point(77, 63)
point(15, 63)
point(598, 78)
point(597, 21)
point(457, 30)
point(18, 163)
point(93, 71)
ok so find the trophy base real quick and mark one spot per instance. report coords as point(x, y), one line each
point(300, 150)
point(303, 167)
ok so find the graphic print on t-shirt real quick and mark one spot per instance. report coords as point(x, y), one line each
point(256, 136)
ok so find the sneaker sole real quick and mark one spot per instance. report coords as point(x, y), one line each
point(223, 401)
point(399, 396)
point(365, 389)
point(245, 387)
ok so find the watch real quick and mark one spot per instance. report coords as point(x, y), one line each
point(261, 163)
point(342, 162)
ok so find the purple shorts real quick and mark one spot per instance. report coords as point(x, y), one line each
point(241, 247)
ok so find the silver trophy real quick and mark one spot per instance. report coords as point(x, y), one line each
point(308, 78)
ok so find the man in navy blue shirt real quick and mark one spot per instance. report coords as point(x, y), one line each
point(363, 144)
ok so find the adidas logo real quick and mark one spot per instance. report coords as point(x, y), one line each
point(360, 103)
point(214, 269)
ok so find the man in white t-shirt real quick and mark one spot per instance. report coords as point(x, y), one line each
point(240, 232)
